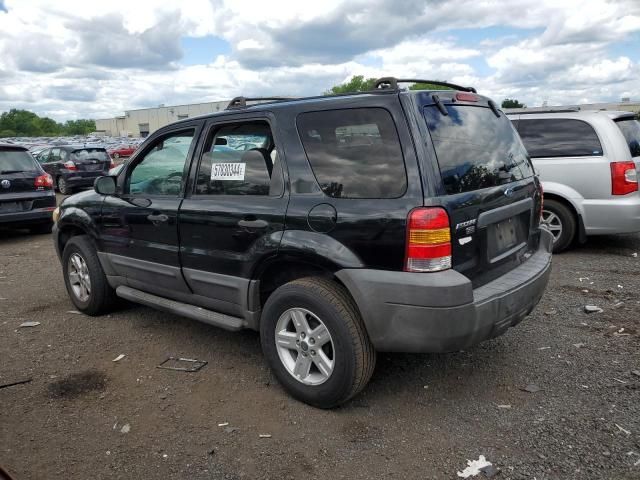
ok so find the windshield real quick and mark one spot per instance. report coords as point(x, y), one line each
point(92, 153)
point(476, 149)
point(631, 131)
point(16, 161)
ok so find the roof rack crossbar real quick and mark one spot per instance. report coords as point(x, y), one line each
point(392, 83)
point(241, 102)
point(547, 110)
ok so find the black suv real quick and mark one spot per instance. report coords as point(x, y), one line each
point(74, 166)
point(27, 199)
point(390, 220)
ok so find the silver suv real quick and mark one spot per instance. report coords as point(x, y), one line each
point(588, 162)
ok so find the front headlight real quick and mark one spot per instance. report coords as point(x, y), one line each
point(56, 214)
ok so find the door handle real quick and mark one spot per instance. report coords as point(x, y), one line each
point(253, 223)
point(159, 218)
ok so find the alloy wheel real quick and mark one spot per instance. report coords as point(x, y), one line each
point(305, 346)
point(79, 279)
point(553, 223)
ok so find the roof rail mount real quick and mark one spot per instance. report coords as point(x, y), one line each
point(241, 102)
point(548, 110)
point(392, 83)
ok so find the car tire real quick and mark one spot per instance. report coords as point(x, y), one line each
point(79, 263)
point(562, 223)
point(41, 228)
point(347, 349)
point(63, 187)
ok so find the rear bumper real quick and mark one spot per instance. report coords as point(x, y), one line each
point(40, 215)
point(83, 181)
point(618, 215)
point(441, 312)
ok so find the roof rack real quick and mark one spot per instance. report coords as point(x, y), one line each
point(544, 110)
point(241, 102)
point(392, 83)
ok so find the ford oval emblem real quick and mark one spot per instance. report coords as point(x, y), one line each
point(509, 192)
point(5, 183)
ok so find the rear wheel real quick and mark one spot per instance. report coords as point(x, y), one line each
point(315, 342)
point(63, 186)
point(84, 278)
point(559, 219)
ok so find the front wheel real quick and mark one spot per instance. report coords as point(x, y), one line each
point(84, 278)
point(561, 222)
point(315, 342)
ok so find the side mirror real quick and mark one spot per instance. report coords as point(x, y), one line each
point(105, 185)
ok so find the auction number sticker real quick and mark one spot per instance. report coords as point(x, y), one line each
point(227, 171)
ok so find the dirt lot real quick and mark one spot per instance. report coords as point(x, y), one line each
point(84, 416)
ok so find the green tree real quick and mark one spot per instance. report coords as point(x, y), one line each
point(427, 86)
point(22, 123)
point(357, 84)
point(79, 127)
point(512, 103)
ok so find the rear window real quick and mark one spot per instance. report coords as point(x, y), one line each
point(354, 153)
point(559, 137)
point(16, 161)
point(476, 149)
point(92, 153)
point(631, 131)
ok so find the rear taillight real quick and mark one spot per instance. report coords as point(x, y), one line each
point(428, 246)
point(624, 178)
point(43, 181)
point(70, 165)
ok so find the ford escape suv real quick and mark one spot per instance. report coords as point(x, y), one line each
point(588, 162)
point(336, 226)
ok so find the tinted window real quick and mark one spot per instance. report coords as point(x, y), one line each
point(92, 153)
point(161, 170)
point(559, 138)
point(354, 153)
point(15, 161)
point(240, 159)
point(476, 149)
point(631, 131)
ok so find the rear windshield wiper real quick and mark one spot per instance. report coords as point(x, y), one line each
point(11, 171)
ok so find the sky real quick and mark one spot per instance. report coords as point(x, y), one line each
point(70, 59)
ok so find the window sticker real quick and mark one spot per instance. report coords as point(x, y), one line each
point(227, 171)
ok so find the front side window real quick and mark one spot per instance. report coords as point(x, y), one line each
point(240, 159)
point(162, 168)
point(354, 153)
point(559, 137)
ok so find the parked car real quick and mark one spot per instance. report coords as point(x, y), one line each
point(588, 163)
point(121, 151)
point(422, 237)
point(74, 166)
point(27, 199)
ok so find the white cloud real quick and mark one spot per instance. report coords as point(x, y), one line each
point(74, 58)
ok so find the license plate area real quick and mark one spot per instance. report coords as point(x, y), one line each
point(11, 207)
point(507, 237)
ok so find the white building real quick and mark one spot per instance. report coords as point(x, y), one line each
point(142, 122)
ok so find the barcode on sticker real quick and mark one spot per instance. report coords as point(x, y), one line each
point(227, 171)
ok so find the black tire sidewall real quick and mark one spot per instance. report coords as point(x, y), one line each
point(569, 224)
point(65, 190)
point(337, 388)
point(97, 301)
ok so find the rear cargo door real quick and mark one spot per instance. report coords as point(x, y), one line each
point(487, 186)
point(18, 172)
point(91, 160)
point(630, 128)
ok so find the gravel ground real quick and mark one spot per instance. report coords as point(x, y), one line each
point(422, 416)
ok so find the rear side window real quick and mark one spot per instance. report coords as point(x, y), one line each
point(476, 149)
point(16, 161)
point(631, 131)
point(559, 137)
point(354, 153)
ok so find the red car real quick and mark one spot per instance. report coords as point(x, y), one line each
point(121, 151)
